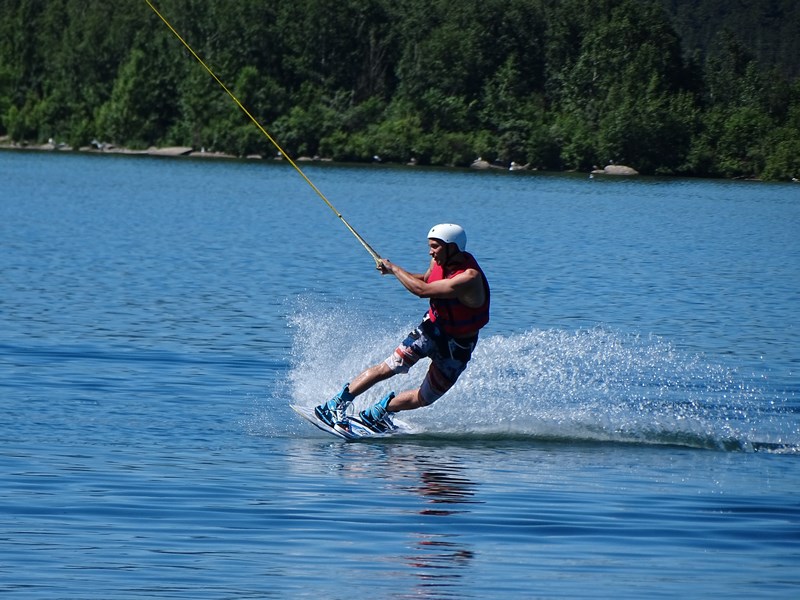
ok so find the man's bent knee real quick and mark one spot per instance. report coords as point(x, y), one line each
point(396, 363)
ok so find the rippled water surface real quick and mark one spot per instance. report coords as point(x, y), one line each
point(629, 426)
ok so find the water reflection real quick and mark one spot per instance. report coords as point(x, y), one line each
point(438, 560)
point(417, 500)
point(439, 564)
point(436, 476)
point(440, 485)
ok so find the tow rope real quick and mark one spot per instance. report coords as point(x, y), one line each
point(375, 256)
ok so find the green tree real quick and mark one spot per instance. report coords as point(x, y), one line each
point(143, 103)
point(560, 84)
point(739, 115)
point(617, 94)
point(517, 114)
point(782, 159)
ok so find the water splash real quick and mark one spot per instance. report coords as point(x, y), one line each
point(585, 385)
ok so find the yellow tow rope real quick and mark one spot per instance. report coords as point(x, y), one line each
point(376, 257)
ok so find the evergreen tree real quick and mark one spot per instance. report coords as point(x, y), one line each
point(555, 83)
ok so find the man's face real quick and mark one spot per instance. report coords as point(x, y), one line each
point(437, 250)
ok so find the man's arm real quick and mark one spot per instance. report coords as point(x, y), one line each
point(466, 286)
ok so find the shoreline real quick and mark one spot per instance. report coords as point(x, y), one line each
point(611, 171)
point(103, 148)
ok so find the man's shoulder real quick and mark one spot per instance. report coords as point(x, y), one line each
point(472, 263)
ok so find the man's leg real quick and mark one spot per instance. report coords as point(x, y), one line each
point(436, 384)
point(406, 400)
point(377, 416)
point(370, 377)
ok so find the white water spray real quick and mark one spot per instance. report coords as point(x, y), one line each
point(585, 385)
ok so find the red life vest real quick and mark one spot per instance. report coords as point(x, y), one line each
point(453, 318)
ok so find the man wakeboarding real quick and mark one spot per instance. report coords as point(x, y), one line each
point(459, 307)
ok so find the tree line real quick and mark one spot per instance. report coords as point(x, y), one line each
point(556, 84)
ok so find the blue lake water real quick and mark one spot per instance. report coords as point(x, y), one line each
point(629, 426)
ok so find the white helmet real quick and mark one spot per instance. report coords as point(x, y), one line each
point(449, 234)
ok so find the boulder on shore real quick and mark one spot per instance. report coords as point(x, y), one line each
point(170, 151)
point(619, 170)
point(482, 165)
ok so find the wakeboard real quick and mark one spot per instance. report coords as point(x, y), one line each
point(354, 428)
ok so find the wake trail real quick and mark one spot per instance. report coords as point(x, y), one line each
point(585, 385)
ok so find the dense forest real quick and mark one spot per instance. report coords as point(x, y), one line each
point(685, 87)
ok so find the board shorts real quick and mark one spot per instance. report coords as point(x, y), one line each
point(449, 358)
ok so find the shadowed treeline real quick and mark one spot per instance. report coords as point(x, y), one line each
point(667, 86)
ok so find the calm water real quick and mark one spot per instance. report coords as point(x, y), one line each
point(630, 425)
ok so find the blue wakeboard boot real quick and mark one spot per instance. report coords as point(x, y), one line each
point(333, 411)
point(377, 417)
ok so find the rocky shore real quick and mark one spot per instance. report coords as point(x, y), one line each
point(105, 148)
point(174, 151)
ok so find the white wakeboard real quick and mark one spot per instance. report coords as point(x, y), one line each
point(354, 429)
